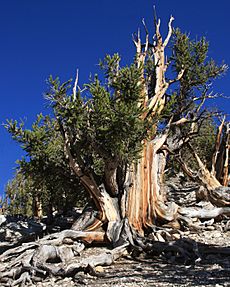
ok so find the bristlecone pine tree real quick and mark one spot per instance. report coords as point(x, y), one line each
point(127, 125)
point(118, 134)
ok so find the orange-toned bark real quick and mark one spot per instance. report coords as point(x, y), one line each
point(95, 236)
point(146, 198)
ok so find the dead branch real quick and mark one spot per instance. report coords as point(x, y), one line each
point(169, 31)
point(217, 147)
point(179, 76)
point(226, 178)
point(75, 87)
point(104, 259)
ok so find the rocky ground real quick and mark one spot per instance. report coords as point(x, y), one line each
point(212, 268)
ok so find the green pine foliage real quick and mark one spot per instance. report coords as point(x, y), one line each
point(203, 143)
point(199, 70)
point(105, 123)
point(19, 196)
point(44, 171)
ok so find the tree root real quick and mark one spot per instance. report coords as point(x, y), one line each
point(104, 259)
point(25, 264)
point(58, 254)
point(192, 212)
point(220, 196)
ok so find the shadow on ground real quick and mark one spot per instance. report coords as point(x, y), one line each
point(212, 270)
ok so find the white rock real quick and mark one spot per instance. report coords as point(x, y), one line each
point(2, 219)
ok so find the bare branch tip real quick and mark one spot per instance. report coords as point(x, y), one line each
point(139, 33)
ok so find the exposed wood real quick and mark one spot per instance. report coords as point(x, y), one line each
point(140, 62)
point(86, 220)
point(104, 259)
point(37, 206)
point(204, 213)
point(205, 176)
point(169, 31)
point(29, 262)
point(86, 236)
point(226, 179)
point(220, 196)
point(146, 200)
point(157, 102)
point(217, 147)
point(107, 206)
point(24, 278)
point(75, 86)
point(17, 250)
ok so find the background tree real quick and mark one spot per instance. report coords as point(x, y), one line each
point(194, 90)
point(19, 195)
point(203, 143)
point(44, 175)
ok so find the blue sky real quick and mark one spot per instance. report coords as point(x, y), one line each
point(43, 37)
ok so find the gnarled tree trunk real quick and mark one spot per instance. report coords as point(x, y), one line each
point(139, 200)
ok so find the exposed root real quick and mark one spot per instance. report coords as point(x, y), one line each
point(23, 279)
point(104, 259)
point(202, 213)
point(24, 264)
point(220, 196)
point(62, 254)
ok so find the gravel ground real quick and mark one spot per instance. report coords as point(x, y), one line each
point(213, 270)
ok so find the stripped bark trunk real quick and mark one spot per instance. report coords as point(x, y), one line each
point(126, 210)
point(205, 176)
point(145, 205)
point(218, 176)
point(226, 147)
point(216, 154)
point(37, 207)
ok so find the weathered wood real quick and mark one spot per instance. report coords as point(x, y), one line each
point(104, 259)
point(126, 212)
point(203, 213)
point(145, 197)
point(37, 207)
point(26, 263)
point(86, 236)
point(17, 250)
point(220, 196)
point(24, 278)
point(217, 147)
point(226, 178)
point(204, 175)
